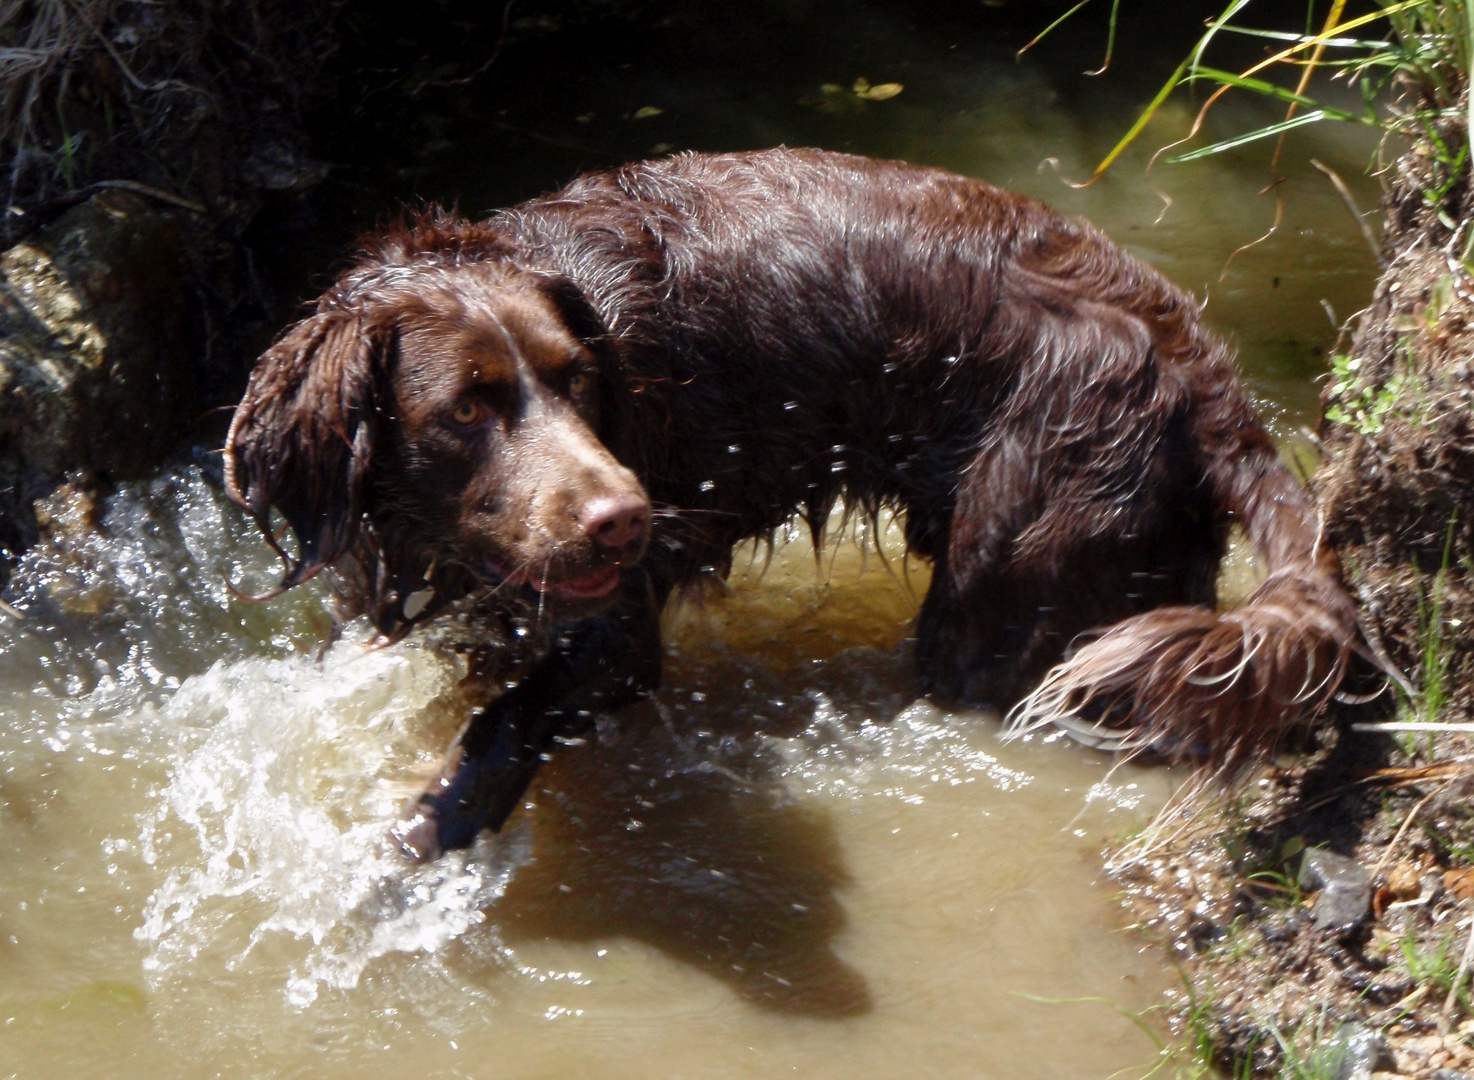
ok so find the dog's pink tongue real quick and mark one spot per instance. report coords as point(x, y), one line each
point(588, 587)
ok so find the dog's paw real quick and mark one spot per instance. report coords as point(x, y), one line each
point(417, 834)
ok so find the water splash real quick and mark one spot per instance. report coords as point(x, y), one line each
point(133, 593)
point(285, 778)
point(846, 755)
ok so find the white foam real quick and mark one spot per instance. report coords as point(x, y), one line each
point(840, 754)
point(285, 777)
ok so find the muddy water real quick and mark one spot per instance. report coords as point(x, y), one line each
point(783, 863)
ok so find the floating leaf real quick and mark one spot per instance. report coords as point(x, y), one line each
point(644, 112)
point(883, 92)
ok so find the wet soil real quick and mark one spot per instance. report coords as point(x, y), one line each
point(1272, 978)
point(1273, 985)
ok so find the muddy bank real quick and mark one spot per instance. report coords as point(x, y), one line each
point(1322, 919)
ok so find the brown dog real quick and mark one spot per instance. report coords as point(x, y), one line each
point(591, 397)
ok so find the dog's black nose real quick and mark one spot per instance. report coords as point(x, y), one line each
point(616, 521)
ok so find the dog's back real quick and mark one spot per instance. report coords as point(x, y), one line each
point(1064, 438)
point(846, 324)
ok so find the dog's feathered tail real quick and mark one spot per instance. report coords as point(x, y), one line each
point(1192, 682)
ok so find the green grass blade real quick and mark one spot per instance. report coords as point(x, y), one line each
point(1269, 89)
point(1213, 27)
point(1043, 33)
point(1287, 35)
point(1312, 117)
point(1468, 45)
point(1141, 122)
point(1110, 40)
point(1137, 1018)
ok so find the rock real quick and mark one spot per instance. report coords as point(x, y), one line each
point(1345, 896)
point(68, 519)
point(1353, 1054)
point(94, 361)
point(1452, 1074)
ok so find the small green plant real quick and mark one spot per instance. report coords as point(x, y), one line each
point(1311, 1052)
point(1435, 963)
point(1237, 942)
point(1454, 852)
point(1435, 654)
point(1358, 403)
point(1192, 1061)
point(1197, 1040)
point(1277, 876)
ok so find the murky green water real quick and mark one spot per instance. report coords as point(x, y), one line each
point(781, 864)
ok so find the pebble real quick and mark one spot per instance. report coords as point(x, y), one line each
point(1422, 1045)
point(1364, 1051)
point(1345, 896)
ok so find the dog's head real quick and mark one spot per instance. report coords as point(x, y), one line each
point(438, 420)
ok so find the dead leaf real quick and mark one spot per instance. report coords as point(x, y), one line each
point(1459, 883)
point(1380, 899)
point(1404, 882)
point(1401, 774)
point(644, 112)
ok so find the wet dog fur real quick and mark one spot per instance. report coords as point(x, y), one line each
point(590, 398)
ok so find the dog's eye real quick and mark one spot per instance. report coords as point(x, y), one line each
point(467, 412)
point(578, 384)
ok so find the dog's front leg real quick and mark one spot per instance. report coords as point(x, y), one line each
point(596, 664)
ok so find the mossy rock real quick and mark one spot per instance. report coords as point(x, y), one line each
point(95, 370)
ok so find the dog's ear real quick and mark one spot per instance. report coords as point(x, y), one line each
point(577, 312)
point(302, 437)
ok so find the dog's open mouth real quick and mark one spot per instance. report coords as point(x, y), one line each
point(592, 586)
point(589, 587)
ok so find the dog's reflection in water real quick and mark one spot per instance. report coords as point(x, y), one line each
point(637, 835)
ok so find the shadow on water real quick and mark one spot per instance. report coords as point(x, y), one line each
point(705, 863)
point(673, 824)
